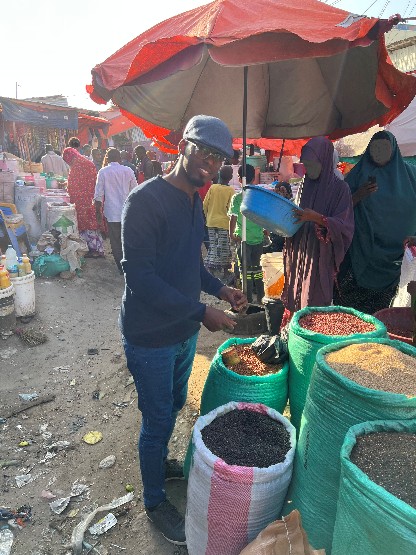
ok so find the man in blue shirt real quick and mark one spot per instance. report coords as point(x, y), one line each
point(161, 314)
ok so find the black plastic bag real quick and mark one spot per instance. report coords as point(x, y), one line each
point(270, 349)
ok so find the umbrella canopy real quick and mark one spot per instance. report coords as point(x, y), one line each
point(313, 70)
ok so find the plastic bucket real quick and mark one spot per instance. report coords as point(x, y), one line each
point(24, 288)
point(399, 323)
point(269, 210)
point(7, 310)
point(257, 162)
point(274, 309)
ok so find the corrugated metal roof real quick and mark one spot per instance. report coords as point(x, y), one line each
point(56, 100)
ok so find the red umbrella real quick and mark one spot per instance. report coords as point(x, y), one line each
point(297, 70)
point(313, 70)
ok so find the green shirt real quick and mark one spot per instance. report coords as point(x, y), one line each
point(254, 233)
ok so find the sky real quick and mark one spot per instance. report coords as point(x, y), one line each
point(49, 47)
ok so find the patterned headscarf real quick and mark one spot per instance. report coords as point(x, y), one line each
point(70, 154)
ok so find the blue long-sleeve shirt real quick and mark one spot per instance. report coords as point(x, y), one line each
point(162, 234)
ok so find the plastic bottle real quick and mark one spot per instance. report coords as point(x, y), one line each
point(6, 540)
point(4, 278)
point(21, 267)
point(11, 257)
point(26, 264)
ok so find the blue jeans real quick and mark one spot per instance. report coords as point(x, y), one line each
point(161, 377)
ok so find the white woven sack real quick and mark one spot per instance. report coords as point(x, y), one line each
point(228, 505)
point(407, 274)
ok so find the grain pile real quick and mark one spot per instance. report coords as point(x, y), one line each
point(242, 360)
point(247, 438)
point(335, 323)
point(389, 460)
point(376, 366)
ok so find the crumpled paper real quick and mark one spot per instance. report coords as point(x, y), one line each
point(72, 248)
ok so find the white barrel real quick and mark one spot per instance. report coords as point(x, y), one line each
point(47, 197)
point(24, 300)
point(63, 218)
point(27, 200)
point(7, 310)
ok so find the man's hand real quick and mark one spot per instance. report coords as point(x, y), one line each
point(235, 297)
point(217, 320)
point(364, 191)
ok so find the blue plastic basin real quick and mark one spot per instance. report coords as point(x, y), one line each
point(269, 210)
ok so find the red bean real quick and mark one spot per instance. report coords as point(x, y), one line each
point(250, 365)
point(335, 323)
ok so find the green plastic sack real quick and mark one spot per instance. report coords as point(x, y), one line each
point(222, 386)
point(334, 403)
point(303, 346)
point(49, 265)
point(369, 519)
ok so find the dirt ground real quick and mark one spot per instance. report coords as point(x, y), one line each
point(92, 392)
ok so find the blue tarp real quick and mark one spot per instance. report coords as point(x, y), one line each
point(34, 113)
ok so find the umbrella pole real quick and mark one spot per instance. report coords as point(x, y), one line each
point(281, 155)
point(243, 183)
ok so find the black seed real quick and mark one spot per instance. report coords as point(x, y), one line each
point(247, 438)
point(389, 460)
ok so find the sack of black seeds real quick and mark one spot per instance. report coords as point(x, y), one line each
point(232, 497)
point(224, 385)
point(270, 349)
point(376, 511)
point(353, 382)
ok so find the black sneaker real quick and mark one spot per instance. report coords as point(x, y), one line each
point(173, 470)
point(167, 518)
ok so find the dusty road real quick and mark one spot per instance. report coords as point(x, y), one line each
point(93, 392)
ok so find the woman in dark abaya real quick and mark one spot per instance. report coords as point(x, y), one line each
point(383, 188)
point(313, 256)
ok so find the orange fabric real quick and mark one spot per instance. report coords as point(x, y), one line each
point(291, 147)
point(119, 124)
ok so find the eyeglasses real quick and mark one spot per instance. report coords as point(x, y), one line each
point(205, 152)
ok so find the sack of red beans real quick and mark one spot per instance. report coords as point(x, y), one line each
point(312, 328)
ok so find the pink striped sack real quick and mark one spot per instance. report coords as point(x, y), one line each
point(228, 505)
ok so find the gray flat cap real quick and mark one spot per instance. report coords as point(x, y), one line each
point(211, 132)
